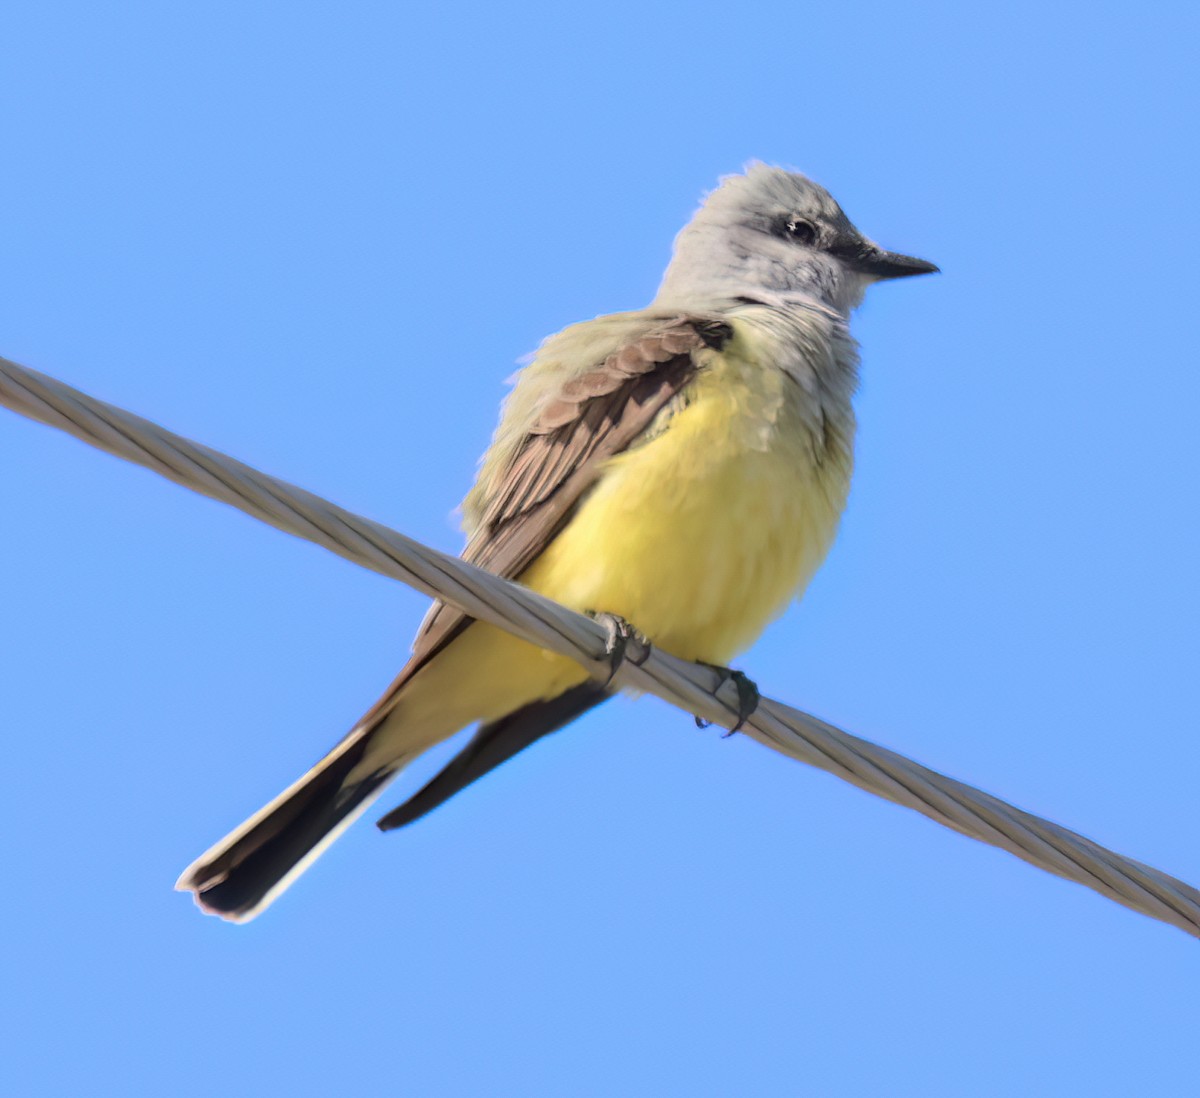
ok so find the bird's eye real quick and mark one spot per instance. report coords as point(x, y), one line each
point(800, 230)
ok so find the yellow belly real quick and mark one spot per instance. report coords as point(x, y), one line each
point(702, 535)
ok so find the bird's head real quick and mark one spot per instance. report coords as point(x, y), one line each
point(779, 234)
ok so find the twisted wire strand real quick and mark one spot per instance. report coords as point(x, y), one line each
point(694, 688)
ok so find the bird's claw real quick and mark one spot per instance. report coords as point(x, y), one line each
point(748, 697)
point(624, 642)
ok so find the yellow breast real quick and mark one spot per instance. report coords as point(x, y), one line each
point(703, 534)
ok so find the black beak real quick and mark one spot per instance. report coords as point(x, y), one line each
point(880, 264)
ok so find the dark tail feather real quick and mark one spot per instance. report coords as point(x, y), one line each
point(494, 744)
point(246, 870)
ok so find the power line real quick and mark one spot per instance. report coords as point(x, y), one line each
point(695, 688)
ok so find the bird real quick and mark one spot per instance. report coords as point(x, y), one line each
point(680, 470)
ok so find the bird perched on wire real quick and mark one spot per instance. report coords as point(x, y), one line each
point(681, 468)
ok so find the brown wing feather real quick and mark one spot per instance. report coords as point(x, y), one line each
point(494, 744)
point(592, 418)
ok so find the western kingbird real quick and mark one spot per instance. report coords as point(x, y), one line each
point(682, 468)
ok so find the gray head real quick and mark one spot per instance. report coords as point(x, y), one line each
point(778, 235)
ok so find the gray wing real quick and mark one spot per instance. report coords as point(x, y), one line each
point(593, 417)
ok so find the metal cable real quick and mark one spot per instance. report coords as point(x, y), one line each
point(692, 687)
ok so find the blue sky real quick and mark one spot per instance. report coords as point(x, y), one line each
point(319, 239)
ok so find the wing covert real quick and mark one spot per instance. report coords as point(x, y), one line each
point(591, 418)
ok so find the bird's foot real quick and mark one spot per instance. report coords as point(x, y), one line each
point(748, 696)
point(624, 642)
